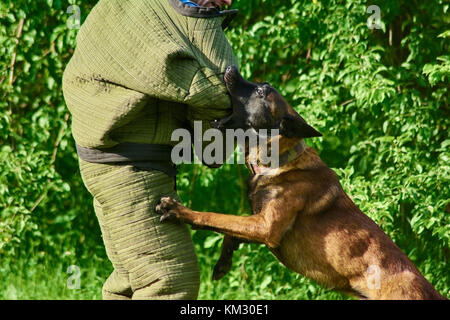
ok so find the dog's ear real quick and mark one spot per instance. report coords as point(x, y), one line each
point(295, 126)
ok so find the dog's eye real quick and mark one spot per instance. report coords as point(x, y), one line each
point(260, 92)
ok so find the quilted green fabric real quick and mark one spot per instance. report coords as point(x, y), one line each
point(152, 260)
point(141, 69)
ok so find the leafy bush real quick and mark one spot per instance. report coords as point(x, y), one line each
point(379, 96)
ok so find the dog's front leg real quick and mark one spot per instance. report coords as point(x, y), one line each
point(252, 228)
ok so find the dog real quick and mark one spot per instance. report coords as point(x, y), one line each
point(300, 210)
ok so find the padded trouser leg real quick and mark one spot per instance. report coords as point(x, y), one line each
point(151, 260)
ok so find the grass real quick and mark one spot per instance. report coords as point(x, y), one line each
point(256, 274)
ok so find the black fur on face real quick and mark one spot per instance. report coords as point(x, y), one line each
point(260, 106)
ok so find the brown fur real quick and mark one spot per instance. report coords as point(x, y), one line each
point(310, 224)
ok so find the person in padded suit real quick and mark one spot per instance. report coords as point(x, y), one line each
point(141, 69)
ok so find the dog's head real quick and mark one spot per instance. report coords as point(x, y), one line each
point(260, 106)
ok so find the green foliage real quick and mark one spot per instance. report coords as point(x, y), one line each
point(380, 97)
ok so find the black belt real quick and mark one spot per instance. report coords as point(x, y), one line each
point(140, 155)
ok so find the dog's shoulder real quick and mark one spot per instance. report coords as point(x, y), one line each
point(318, 183)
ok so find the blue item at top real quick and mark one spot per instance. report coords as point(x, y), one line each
point(190, 3)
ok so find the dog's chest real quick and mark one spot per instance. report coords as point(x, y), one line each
point(260, 193)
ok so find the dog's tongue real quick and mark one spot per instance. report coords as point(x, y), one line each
point(256, 169)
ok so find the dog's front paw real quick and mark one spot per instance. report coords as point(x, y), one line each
point(168, 208)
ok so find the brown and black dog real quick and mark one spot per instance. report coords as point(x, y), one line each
point(301, 212)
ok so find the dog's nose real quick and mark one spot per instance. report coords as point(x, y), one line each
point(231, 72)
point(231, 69)
point(231, 77)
